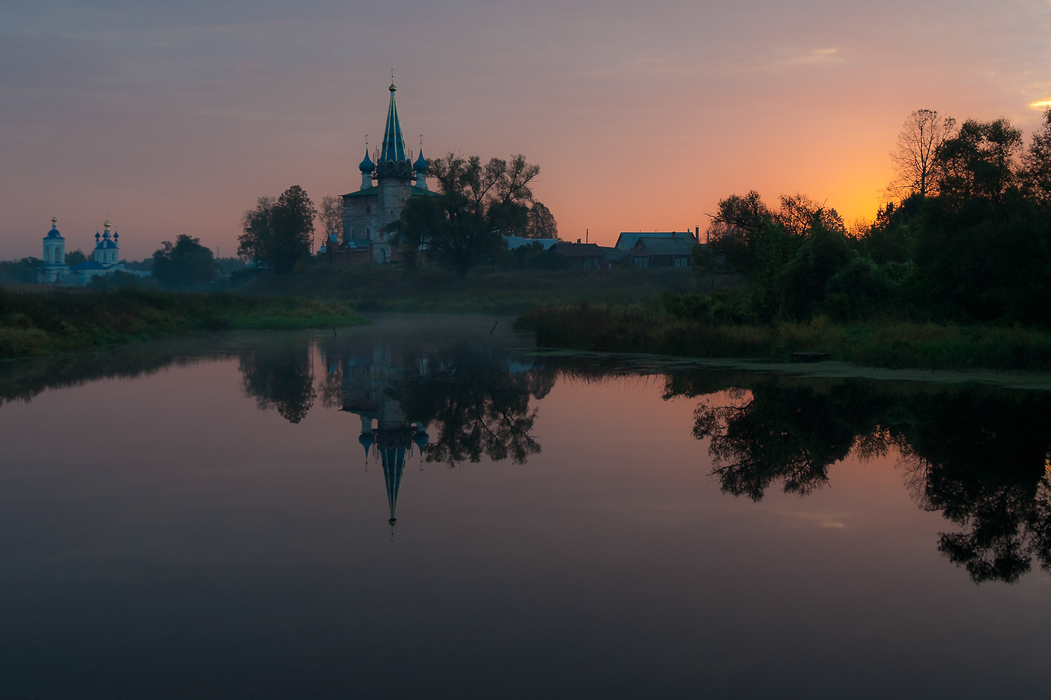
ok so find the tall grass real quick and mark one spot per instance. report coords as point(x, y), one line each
point(391, 288)
point(646, 327)
point(38, 324)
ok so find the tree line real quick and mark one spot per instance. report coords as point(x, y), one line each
point(966, 237)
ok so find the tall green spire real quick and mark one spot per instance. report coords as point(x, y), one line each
point(393, 143)
point(393, 461)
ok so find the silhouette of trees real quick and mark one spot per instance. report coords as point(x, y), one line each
point(1036, 164)
point(967, 240)
point(540, 222)
point(330, 214)
point(462, 226)
point(979, 162)
point(915, 161)
point(185, 264)
point(278, 233)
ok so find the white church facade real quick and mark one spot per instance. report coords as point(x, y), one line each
point(105, 258)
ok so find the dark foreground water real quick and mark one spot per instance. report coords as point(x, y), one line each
point(215, 518)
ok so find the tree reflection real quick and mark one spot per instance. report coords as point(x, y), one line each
point(786, 434)
point(280, 378)
point(979, 456)
point(477, 405)
point(982, 463)
point(474, 398)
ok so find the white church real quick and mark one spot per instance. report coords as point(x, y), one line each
point(105, 259)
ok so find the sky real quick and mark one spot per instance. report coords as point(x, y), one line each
point(174, 118)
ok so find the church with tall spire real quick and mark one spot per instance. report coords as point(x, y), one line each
point(387, 182)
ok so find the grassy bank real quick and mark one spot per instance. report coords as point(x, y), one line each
point(389, 288)
point(646, 328)
point(54, 321)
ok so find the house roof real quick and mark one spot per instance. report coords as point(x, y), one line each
point(579, 250)
point(519, 241)
point(627, 239)
point(663, 246)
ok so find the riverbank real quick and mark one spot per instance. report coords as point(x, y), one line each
point(33, 324)
point(378, 288)
point(646, 328)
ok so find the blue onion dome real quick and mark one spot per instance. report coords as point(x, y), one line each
point(366, 441)
point(421, 439)
point(53, 233)
point(367, 165)
point(420, 165)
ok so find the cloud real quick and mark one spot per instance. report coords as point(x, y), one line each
point(815, 57)
point(1040, 104)
point(817, 519)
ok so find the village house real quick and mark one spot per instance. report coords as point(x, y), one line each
point(663, 252)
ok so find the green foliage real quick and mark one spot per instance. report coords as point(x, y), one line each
point(971, 241)
point(185, 264)
point(1036, 164)
point(462, 227)
point(278, 233)
point(979, 162)
point(116, 280)
point(22, 271)
point(76, 257)
point(534, 257)
point(540, 222)
point(649, 329)
point(39, 324)
point(823, 255)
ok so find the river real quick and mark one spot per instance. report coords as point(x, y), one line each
point(429, 507)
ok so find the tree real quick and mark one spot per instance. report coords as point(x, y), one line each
point(330, 214)
point(541, 223)
point(799, 215)
point(253, 244)
point(185, 264)
point(462, 226)
point(735, 234)
point(980, 161)
point(278, 234)
point(921, 136)
point(1036, 163)
point(75, 257)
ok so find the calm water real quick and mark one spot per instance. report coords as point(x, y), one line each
point(425, 508)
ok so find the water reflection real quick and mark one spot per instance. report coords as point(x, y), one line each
point(473, 396)
point(978, 456)
point(280, 377)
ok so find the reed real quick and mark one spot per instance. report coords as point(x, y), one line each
point(647, 328)
point(43, 323)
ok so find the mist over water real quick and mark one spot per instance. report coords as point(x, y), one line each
point(428, 506)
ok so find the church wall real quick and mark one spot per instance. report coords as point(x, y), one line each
point(361, 217)
point(392, 197)
point(366, 216)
